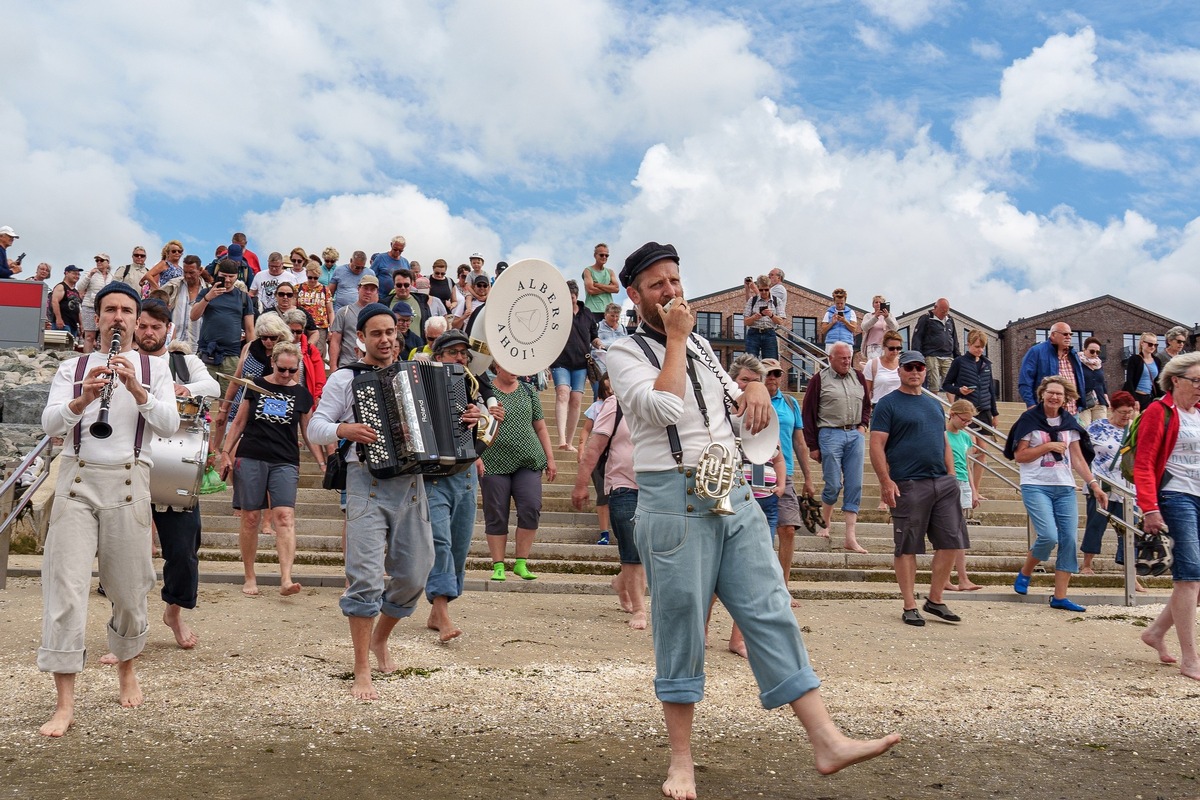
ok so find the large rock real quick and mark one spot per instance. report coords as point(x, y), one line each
point(17, 440)
point(27, 365)
point(23, 405)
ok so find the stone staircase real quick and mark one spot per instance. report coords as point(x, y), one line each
point(567, 559)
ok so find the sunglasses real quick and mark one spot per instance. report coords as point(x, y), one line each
point(403, 285)
point(174, 250)
point(1151, 345)
point(776, 373)
point(297, 331)
point(456, 351)
point(913, 367)
point(601, 255)
point(269, 338)
point(288, 370)
point(101, 260)
point(297, 260)
point(330, 261)
point(895, 349)
point(139, 255)
point(285, 294)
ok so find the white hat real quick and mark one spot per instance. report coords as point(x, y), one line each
point(473, 255)
point(9, 231)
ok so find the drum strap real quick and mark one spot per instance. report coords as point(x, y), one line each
point(139, 435)
point(179, 369)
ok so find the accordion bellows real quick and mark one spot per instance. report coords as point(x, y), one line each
point(415, 408)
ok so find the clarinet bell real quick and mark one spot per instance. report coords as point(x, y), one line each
point(100, 429)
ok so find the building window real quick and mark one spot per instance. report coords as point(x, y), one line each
point(738, 323)
point(798, 375)
point(1129, 344)
point(708, 324)
point(904, 335)
point(1077, 337)
point(805, 328)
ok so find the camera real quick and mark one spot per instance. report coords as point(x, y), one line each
point(21, 258)
point(749, 279)
point(885, 307)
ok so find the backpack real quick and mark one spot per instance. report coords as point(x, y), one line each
point(1125, 453)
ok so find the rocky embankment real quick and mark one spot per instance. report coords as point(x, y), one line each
point(25, 376)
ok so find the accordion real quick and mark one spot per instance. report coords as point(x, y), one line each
point(415, 409)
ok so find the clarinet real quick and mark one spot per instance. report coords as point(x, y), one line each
point(100, 429)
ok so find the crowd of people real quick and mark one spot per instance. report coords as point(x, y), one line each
point(278, 349)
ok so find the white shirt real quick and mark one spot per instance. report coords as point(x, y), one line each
point(1184, 461)
point(336, 407)
point(1046, 471)
point(162, 416)
point(649, 412)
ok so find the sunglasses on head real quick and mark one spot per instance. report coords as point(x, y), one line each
point(288, 370)
point(915, 366)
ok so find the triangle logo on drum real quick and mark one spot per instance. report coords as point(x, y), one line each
point(527, 318)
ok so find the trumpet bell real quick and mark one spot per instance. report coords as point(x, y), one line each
point(723, 508)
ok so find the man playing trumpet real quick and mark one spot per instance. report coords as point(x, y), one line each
point(673, 393)
point(102, 500)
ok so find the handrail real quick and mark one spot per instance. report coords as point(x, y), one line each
point(12, 479)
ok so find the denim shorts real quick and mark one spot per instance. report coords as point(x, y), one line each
point(577, 378)
point(1181, 512)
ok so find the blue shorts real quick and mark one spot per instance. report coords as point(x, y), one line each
point(577, 378)
point(1181, 512)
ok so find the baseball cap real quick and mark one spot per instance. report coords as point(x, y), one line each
point(482, 280)
point(368, 279)
point(7, 230)
point(477, 255)
point(911, 357)
point(772, 364)
point(422, 285)
point(101, 257)
point(70, 267)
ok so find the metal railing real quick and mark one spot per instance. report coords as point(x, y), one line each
point(1126, 525)
point(8, 488)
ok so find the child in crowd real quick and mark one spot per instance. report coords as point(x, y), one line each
point(962, 443)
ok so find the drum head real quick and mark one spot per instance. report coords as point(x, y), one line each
point(480, 353)
point(529, 316)
point(760, 447)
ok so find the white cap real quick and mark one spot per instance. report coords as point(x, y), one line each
point(9, 231)
point(473, 255)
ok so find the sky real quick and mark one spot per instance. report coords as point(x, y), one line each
point(1011, 156)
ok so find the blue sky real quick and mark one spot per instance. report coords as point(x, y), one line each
point(1012, 156)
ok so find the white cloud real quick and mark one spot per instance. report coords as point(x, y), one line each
point(907, 14)
point(872, 38)
point(368, 222)
point(988, 51)
point(928, 53)
point(1036, 93)
point(756, 191)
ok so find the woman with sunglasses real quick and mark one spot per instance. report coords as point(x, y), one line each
point(1142, 370)
point(441, 287)
point(317, 301)
point(312, 365)
point(1094, 405)
point(167, 269)
point(882, 374)
point(263, 451)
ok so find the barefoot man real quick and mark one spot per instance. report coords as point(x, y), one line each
point(178, 529)
point(673, 392)
point(389, 543)
point(452, 500)
point(102, 501)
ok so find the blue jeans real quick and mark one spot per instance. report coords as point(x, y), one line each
point(1097, 523)
point(1181, 512)
point(622, 510)
point(1054, 514)
point(575, 378)
point(770, 509)
point(452, 501)
point(389, 546)
point(690, 554)
point(762, 344)
point(842, 454)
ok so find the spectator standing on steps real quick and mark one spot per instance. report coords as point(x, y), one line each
point(936, 338)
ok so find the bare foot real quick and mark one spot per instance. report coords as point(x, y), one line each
point(638, 621)
point(446, 629)
point(681, 779)
point(250, 588)
point(1138, 587)
point(58, 724)
point(618, 586)
point(109, 660)
point(130, 690)
point(383, 657)
point(287, 590)
point(854, 547)
point(795, 603)
point(834, 751)
point(184, 636)
point(968, 586)
point(268, 531)
point(881, 507)
point(1087, 571)
point(738, 647)
point(570, 448)
point(363, 689)
point(1156, 641)
point(1192, 672)
point(823, 533)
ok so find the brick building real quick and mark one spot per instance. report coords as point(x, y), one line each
point(719, 319)
point(1116, 323)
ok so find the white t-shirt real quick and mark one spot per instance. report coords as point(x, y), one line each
point(1184, 461)
point(265, 284)
point(885, 380)
point(1047, 471)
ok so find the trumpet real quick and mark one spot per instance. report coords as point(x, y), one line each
point(100, 429)
point(716, 472)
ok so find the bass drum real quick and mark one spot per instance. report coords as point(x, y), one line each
point(178, 467)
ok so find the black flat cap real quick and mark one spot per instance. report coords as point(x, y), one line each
point(644, 257)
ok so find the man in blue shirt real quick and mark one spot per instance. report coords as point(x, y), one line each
point(385, 265)
point(7, 237)
point(791, 442)
point(915, 466)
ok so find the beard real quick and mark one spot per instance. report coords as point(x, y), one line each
point(150, 344)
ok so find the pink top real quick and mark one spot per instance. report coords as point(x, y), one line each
point(619, 473)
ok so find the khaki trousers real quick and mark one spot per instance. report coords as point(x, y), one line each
point(102, 511)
